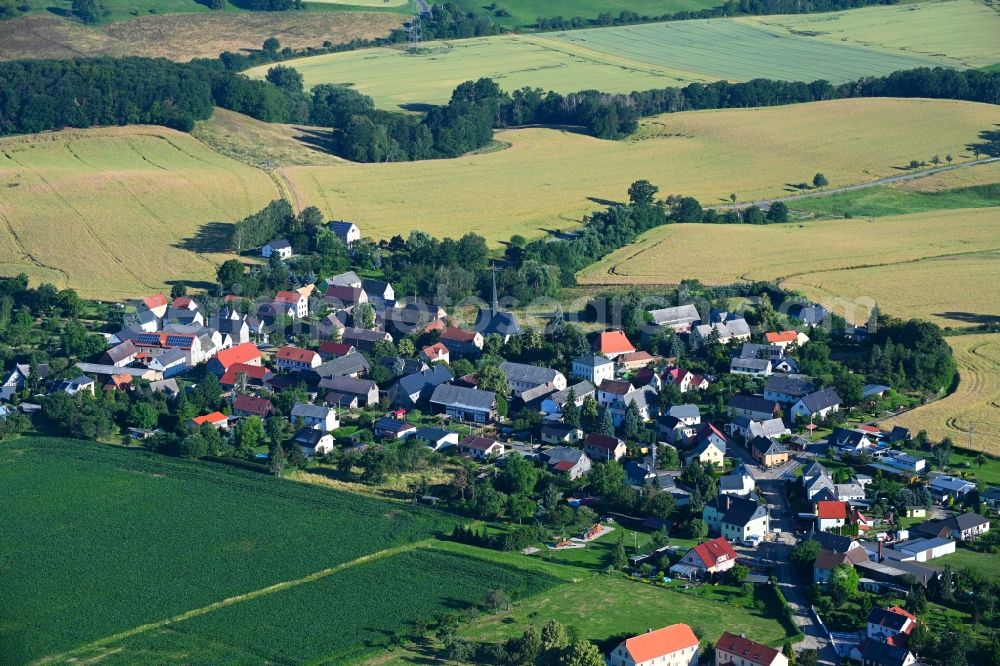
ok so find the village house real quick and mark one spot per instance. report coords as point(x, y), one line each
point(831, 515)
point(365, 390)
point(944, 487)
point(480, 448)
point(594, 369)
point(349, 365)
point(560, 433)
point(462, 343)
point(817, 405)
point(828, 560)
point(612, 344)
point(296, 359)
point(313, 442)
point(728, 331)
point(737, 482)
point(155, 304)
point(120, 355)
point(967, 526)
point(465, 404)
point(555, 402)
point(214, 419)
point(417, 388)
point(171, 363)
point(904, 462)
point(644, 400)
point(364, 340)
point(347, 232)
point(436, 438)
point(787, 389)
point(315, 416)
point(679, 319)
point(522, 377)
point(752, 406)
point(672, 430)
point(231, 323)
point(436, 353)
point(251, 405)
point(344, 298)
point(754, 350)
point(380, 293)
point(877, 653)
point(684, 380)
point(712, 557)
point(81, 384)
point(754, 367)
point(767, 452)
point(748, 428)
point(244, 354)
point(572, 462)
point(785, 339)
point(603, 448)
point(707, 451)
point(636, 360)
point(282, 248)
point(740, 651)
point(329, 350)
point(739, 519)
point(675, 645)
point(890, 625)
point(387, 428)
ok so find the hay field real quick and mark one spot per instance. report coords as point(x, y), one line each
point(977, 398)
point(931, 265)
point(546, 179)
point(982, 174)
point(182, 37)
point(264, 145)
point(109, 212)
point(658, 55)
point(962, 32)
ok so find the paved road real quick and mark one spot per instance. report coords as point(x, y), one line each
point(766, 203)
point(778, 553)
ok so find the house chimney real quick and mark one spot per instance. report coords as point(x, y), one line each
point(880, 557)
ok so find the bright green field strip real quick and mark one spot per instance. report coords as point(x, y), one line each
point(888, 200)
point(605, 606)
point(963, 33)
point(963, 558)
point(337, 619)
point(98, 540)
point(527, 12)
point(621, 59)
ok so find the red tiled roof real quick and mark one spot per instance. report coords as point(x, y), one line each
point(435, 350)
point(602, 441)
point(661, 642)
point(253, 405)
point(615, 386)
point(335, 348)
point(458, 335)
point(639, 356)
point(436, 325)
point(563, 465)
point(214, 417)
point(714, 551)
point(784, 336)
point(478, 443)
point(344, 294)
point(746, 649)
point(828, 510)
point(296, 354)
point(257, 372)
point(241, 353)
point(182, 302)
point(289, 297)
point(155, 301)
point(613, 342)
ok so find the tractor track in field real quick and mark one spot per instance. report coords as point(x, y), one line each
point(99, 648)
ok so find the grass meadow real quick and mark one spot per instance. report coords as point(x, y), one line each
point(527, 12)
point(550, 178)
point(894, 200)
point(658, 55)
point(99, 540)
point(111, 212)
point(929, 265)
point(977, 398)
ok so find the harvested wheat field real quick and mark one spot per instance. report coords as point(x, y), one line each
point(982, 174)
point(941, 266)
point(549, 179)
point(976, 399)
point(185, 36)
point(119, 212)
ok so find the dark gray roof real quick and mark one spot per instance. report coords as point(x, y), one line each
point(883, 654)
point(121, 351)
point(766, 446)
point(562, 453)
point(581, 390)
point(375, 287)
point(737, 510)
point(559, 430)
point(306, 410)
point(422, 382)
point(761, 364)
point(279, 244)
point(684, 411)
point(449, 394)
point(810, 314)
point(593, 361)
point(752, 403)
point(966, 521)
point(342, 366)
point(821, 399)
point(308, 437)
point(504, 324)
point(532, 374)
point(363, 335)
point(348, 385)
point(676, 316)
point(341, 227)
point(431, 434)
point(789, 385)
point(831, 541)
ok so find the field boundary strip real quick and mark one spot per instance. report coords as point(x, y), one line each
point(239, 598)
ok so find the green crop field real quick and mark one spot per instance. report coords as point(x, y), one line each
point(527, 12)
point(337, 619)
point(99, 540)
point(929, 265)
point(658, 55)
point(893, 200)
point(110, 212)
point(549, 179)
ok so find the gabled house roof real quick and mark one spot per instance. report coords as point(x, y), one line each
point(783, 336)
point(737, 510)
point(615, 386)
point(602, 441)
point(335, 348)
point(581, 389)
point(252, 372)
point(532, 374)
point(890, 618)
point(120, 352)
point(966, 521)
point(661, 642)
point(753, 403)
point(831, 510)
point(388, 424)
point(830, 560)
point(595, 361)
point(747, 648)
point(426, 380)
point(241, 353)
point(309, 411)
point(253, 405)
point(795, 386)
point(479, 443)
point(214, 417)
point(681, 315)
point(613, 342)
point(453, 334)
point(296, 354)
point(883, 654)
point(459, 396)
point(820, 400)
point(766, 446)
point(714, 551)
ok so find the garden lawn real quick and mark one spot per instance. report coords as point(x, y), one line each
point(606, 606)
point(98, 540)
point(963, 558)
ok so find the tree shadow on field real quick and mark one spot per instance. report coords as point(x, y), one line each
point(193, 284)
point(417, 107)
point(211, 237)
point(990, 144)
point(60, 11)
point(605, 202)
point(319, 140)
point(970, 317)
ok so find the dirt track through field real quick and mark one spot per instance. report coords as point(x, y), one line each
point(106, 642)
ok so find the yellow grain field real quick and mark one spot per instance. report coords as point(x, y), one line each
point(977, 398)
point(982, 174)
point(549, 179)
point(942, 265)
point(117, 212)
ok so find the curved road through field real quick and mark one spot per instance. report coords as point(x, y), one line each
point(888, 180)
